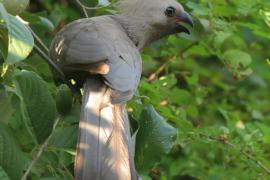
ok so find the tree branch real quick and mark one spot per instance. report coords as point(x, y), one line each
point(33, 33)
point(40, 151)
point(85, 8)
point(223, 139)
point(51, 63)
point(45, 56)
point(154, 75)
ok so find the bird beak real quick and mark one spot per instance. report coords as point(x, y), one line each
point(185, 18)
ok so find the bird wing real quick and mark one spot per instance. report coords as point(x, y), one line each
point(125, 69)
point(79, 43)
point(86, 42)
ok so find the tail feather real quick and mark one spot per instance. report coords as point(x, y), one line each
point(104, 148)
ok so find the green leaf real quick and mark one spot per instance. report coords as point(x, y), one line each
point(51, 178)
point(63, 99)
point(40, 21)
point(3, 31)
point(3, 174)
point(10, 154)
point(103, 2)
point(237, 58)
point(238, 62)
point(65, 138)
point(16, 40)
point(198, 9)
point(265, 130)
point(154, 139)
point(73, 117)
point(15, 6)
point(179, 96)
point(6, 108)
point(220, 37)
point(37, 102)
point(266, 17)
point(21, 41)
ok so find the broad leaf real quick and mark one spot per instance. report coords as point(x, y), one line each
point(266, 16)
point(3, 174)
point(38, 21)
point(65, 138)
point(37, 102)
point(154, 139)
point(63, 99)
point(15, 6)
point(238, 62)
point(21, 41)
point(3, 31)
point(16, 40)
point(10, 154)
point(6, 108)
point(51, 178)
point(103, 2)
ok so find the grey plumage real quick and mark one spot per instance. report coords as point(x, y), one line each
point(88, 41)
point(108, 154)
point(106, 49)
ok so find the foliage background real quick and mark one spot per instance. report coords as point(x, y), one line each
point(212, 87)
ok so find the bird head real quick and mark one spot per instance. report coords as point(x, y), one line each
point(167, 16)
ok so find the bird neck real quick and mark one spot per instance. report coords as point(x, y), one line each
point(138, 30)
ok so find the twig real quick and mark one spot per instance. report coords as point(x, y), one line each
point(38, 39)
point(50, 62)
point(66, 170)
point(56, 69)
point(40, 52)
point(46, 57)
point(225, 141)
point(33, 33)
point(40, 151)
point(154, 75)
point(85, 8)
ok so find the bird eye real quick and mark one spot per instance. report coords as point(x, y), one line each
point(170, 11)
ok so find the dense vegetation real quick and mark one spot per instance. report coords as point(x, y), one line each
point(202, 110)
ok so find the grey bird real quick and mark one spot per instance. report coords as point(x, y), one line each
point(104, 53)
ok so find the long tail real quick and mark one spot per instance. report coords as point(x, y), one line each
point(104, 148)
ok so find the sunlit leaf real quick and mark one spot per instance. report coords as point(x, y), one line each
point(4, 20)
point(266, 17)
point(15, 6)
point(21, 41)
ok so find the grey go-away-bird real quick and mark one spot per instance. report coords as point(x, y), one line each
point(104, 53)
